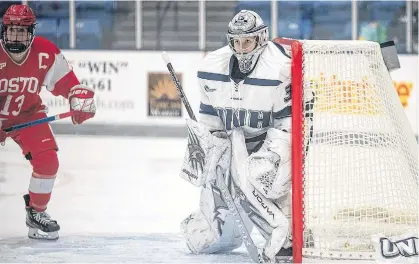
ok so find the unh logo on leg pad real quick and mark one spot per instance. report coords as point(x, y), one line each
point(407, 247)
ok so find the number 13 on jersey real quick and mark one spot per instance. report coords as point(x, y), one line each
point(18, 101)
point(13, 87)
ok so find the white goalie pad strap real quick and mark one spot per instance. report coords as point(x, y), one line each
point(269, 169)
point(203, 153)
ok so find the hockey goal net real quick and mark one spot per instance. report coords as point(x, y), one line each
point(355, 159)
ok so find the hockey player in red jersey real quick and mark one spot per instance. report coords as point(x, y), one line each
point(29, 64)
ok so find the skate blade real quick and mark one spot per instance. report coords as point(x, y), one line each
point(38, 234)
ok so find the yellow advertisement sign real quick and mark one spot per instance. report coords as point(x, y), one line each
point(404, 90)
point(164, 99)
point(339, 96)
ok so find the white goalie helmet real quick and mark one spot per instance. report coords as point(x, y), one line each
point(247, 37)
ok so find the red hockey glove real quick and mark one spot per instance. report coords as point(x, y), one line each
point(82, 103)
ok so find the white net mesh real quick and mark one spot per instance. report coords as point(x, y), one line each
point(361, 168)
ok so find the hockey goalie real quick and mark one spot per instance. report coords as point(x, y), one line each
point(242, 137)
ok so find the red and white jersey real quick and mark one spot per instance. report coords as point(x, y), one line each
point(21, 83)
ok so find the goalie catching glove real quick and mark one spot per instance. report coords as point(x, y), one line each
point(269, 169)
point(82, 103)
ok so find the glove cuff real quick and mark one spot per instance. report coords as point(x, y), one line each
point(80, 87)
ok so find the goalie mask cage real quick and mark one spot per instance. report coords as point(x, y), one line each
point(355, 158)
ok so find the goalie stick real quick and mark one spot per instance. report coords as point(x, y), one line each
point(235, 209)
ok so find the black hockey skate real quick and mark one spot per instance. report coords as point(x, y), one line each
point(283, 256)
point(40, 224)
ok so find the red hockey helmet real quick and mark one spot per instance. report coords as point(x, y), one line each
point(13, 34)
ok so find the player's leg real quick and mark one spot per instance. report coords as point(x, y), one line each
point(279, 244)
point(268, 172)
point(39, 147)
point(210, 229)
point(45, 167)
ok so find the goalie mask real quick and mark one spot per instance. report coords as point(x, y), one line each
point(247, 37)
point(17, 28)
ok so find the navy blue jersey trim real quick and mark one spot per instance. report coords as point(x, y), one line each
point(262, 82)
point(207, 110)
point(284, 113)
point(256, 138)
point(213, 76)
point(279, 46)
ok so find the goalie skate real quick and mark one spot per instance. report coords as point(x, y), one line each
point(40, 224)
point(283, 256)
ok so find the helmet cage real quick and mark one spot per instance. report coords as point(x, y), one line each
point(12, 44)
point(20, 16)
point(247, 23)
point(260, 37)
point(248, 60)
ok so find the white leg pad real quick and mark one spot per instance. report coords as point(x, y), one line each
point(201, 238)
point(211, 229)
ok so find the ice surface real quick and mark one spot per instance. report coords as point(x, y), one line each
point(116, 199)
